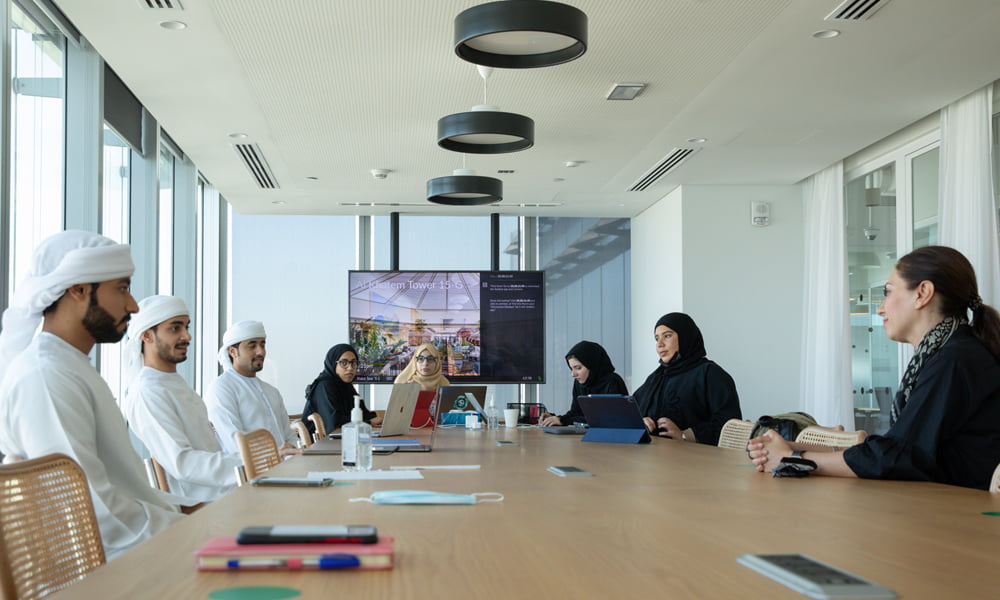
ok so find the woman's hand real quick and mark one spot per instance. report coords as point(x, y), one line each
point(650, 424)
point(669, 429)
point(767, 450)
point(549, 420)
point(376, 421)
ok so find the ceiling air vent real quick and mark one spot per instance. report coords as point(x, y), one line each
point(254, 160)
point(665, 166)
point(856, 10)
point(161, 4)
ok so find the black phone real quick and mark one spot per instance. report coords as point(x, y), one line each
point(308, 534)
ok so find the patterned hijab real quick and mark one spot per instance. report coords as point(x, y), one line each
point(933, 341)
point(427, 382)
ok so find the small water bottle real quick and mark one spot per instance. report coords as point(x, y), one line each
point(356, 441)
point(492, 416)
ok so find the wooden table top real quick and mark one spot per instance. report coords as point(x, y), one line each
point(668, 518)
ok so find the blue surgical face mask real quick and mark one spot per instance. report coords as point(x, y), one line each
point(427, 497)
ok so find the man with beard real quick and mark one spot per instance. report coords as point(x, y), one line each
point(238, 400)
point(51, 397)
point(162, 409)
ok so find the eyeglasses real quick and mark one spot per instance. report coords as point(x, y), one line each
point(347, 363)
point(428, 359)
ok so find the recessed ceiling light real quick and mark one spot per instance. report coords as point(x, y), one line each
point(173, 25)
point(238, 136)
point(558, 179)
point(311, 178)
point(278, 202)
point(625, 91)
point(572, 164)
point(825, 34)
point(697, 140)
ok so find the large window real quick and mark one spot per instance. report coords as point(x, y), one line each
point(588, 296)
point(165, 218)
point(114, 224)
point(36, 135)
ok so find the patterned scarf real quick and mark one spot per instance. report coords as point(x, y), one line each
point(933, 341)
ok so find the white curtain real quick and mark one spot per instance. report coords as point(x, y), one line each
point(826, 332)
point(966, 205)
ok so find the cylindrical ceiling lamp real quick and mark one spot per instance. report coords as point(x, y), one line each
point(464, 188)
point(521, 34)
point(486, 130)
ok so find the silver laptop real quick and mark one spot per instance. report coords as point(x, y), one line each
point(399, 413)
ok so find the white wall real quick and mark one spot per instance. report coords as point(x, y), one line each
point(290, 272)
point(741, 284)
point(657, 282)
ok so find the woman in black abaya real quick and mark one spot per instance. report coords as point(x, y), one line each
point(594, 373)
point(687, 397)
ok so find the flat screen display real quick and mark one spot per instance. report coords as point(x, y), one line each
point(488, 326)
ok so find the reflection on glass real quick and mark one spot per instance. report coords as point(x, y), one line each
point(871, 255)
point(36, 136)
point(924, 169)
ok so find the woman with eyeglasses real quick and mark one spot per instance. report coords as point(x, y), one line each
point(331, 394)
point(424, 368)
point(946, 415)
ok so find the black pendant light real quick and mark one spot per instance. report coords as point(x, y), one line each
point(486, 130)
point(464, 188)
point(521, 34)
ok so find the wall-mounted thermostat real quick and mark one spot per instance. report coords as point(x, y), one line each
point(760, 213)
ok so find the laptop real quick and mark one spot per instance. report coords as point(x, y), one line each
point(399, 413)
point(463, 398)
point(607, 412)
point(423, 415)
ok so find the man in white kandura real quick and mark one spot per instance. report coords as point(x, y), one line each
point(162, 409)
point(238, 400)
point(51, 397)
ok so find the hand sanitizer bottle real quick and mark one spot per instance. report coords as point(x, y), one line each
point(356, 441)
point(492, 416)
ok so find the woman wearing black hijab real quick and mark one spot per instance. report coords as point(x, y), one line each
point(594, 374)
point(331, 395)
point(688, 396)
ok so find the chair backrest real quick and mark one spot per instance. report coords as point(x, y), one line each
point(317, 422)
point(995, 483)
point(821, 436)
point(258, 451)
point(302, 431)
point(735, 434)
point(49, 536)
point(157, 476)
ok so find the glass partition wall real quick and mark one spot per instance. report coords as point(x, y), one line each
point(891, 208)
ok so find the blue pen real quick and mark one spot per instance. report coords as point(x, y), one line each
point(325, 562)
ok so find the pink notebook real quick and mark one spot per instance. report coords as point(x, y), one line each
point(224, 554)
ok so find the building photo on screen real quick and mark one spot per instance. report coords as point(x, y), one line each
point(488, 326)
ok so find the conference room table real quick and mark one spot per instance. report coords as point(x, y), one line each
point(666, 519)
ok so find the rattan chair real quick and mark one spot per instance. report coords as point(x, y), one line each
point(302, 431)
point(820, 436)
point(258, 451)
point(49, 536)
point(320, 428)
point(157, 476)
point(995, 482)
point(735, 434)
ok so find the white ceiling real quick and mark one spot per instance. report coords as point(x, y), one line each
point(334, 88)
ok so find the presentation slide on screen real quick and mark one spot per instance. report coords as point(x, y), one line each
point(488, 326)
